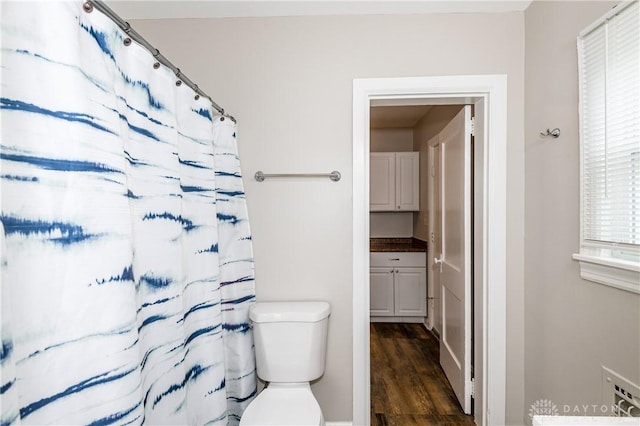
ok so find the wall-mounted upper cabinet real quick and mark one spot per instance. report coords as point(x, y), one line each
point(394, 181)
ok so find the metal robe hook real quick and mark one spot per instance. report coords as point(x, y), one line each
point(555, 133)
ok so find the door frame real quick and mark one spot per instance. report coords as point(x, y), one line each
point(431, 322)
point(491, 359)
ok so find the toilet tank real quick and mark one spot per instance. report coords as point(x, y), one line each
point(290, 340)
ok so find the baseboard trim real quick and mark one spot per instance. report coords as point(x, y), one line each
point(406, 320)
point(339, 423)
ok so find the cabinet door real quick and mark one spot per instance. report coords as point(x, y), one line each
point(407, 181)
point(410, 292)
point(382, 188)
point(381, 292)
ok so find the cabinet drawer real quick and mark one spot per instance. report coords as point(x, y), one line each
point(398, 259)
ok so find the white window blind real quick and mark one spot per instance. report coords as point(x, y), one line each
point(609, 55)
point(609, 66)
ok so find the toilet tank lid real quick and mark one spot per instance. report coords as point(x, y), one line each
point(307, 311)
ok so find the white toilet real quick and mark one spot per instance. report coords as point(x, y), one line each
point(290, 344)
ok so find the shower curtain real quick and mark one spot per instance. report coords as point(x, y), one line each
point(127, 268)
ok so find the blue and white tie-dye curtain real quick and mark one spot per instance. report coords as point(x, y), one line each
point(127, 268)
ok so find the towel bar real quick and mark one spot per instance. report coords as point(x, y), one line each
point(334, 175)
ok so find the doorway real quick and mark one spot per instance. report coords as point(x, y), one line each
point(490, 262)
point(426, 153)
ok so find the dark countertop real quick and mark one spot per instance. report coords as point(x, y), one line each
point(397, 244)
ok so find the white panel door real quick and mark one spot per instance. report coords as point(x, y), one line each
point(410, 292)
point(381, 292)
point(455, 257)
point(407, 181)
point(382, 189)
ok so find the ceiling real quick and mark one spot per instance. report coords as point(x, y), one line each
point(397, 117)
point(153, 9)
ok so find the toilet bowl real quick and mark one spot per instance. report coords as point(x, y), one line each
point(290, 340)
point(285, 405)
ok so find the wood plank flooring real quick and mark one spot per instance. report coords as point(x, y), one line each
point(408, 387)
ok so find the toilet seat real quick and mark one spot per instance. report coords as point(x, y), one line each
point(284, 404)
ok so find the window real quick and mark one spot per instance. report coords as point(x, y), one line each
point(609, 66)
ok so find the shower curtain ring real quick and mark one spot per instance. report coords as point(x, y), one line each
point(127, 27)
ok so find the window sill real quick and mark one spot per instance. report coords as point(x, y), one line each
point(620, 274)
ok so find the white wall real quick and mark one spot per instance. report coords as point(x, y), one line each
point(288, 81)
point(390, 140)
point(391, 225)
point(573, 326)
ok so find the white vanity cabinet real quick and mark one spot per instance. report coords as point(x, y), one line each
point(394, 181)
point(398, 286)
point(381, 294)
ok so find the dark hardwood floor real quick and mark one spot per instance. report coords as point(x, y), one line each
point(408, 387)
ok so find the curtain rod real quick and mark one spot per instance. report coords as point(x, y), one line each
point(126, 27)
